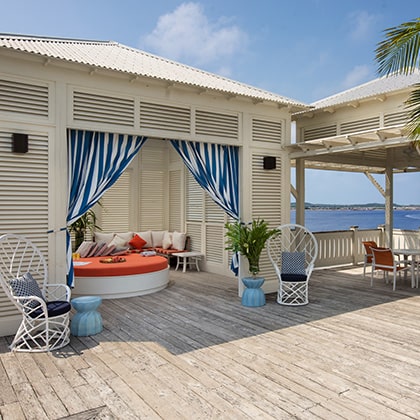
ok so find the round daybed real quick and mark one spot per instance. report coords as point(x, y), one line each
point(137, 275)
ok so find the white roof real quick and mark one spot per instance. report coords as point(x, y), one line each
point(117, 57)
point(372, 89)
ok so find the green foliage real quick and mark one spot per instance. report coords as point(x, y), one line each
point(399, 53)
point(86, 222)
point(249, 240)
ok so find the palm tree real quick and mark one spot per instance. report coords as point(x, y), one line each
point(398, 53)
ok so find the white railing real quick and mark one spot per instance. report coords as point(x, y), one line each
point(345, 246)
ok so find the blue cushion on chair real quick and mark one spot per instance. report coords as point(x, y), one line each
point(26, 285)
point(293, 263)
point(54, 308)
point(293, 277)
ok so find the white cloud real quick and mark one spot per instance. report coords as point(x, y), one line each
point(187, 35)
point(361, 25)
point(356, 76)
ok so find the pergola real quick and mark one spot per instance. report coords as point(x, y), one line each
point(381, 150)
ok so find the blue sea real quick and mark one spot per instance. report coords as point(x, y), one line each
point(327, 220)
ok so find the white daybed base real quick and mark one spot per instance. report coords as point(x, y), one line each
point(114, 287)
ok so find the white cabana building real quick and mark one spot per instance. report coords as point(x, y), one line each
point(66, 96)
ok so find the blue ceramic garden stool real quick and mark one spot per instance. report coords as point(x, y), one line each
point(87, 320)
point(253, 294)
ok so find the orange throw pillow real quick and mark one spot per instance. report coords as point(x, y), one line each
point(137, 242)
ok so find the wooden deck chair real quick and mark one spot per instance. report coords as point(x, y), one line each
point(293, 252)
point(385, 260)
point(45, 311)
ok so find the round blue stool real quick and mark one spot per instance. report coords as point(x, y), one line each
point(87, 320)
point(253, 295)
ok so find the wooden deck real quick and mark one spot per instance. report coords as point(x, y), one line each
point(193, 352)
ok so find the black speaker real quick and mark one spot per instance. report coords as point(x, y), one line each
point(19, 143)
point(269, 162)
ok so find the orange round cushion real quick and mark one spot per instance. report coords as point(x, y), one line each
point(134, 264)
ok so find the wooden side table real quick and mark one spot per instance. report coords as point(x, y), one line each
point(187, 259)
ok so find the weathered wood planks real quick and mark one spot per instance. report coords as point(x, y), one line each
point(193, 352)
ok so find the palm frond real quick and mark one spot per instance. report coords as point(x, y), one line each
point(399, 52)
point(413, 107)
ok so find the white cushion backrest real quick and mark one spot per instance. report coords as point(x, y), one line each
point(178, 240)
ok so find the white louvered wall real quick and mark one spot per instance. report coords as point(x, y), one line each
point(153, 185)
point(360, 125)
point(24, 196)
point(165, 117)
point(175, 201)
point(28, 99)
point(267, 131)
point(266, 201)
point(116, 205)
point(395, 118)
point(320, 132)
point(216, 124)
point(103, 109)
point(215, 220)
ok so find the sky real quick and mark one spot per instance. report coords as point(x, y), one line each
point(305, 50)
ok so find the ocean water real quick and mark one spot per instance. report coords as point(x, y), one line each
point(327, 220)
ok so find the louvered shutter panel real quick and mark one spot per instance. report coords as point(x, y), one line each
point(266, 202)
point(103, 109)
point(165, 117)
point(24, 196)
point(319, 132)
point(267, 131)
point(153, 188)
point(216, 124)
point(359, 125)
point(24, 98)
point(116, 205)
point(175, 200)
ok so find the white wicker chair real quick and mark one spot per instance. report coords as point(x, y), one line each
point(293, 252)
point(45, 312)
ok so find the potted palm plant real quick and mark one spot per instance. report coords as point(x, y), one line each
point(249, 239)
point(86, 222)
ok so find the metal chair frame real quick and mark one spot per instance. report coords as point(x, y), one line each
point(384, 259)
point(39, 330)
point(293, 238)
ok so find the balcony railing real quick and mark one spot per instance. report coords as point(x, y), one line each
point(345, 246)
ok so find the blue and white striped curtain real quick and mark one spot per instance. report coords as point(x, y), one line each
point(216, 168)
point(95, 162)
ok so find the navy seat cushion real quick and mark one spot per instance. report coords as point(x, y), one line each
point(293, 277)
point(54, 308)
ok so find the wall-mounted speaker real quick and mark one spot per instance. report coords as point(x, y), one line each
point(19, 143)
point(269, 162)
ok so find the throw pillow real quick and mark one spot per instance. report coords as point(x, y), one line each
point(147, 236)
point(104, 237)
point(128, 236)
point(178, 240)
point(26, 285)
point(293, 263)
point(167, 240)
point(119, 241)
point(157, 238)
point(137, 242)
point(85, 248)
